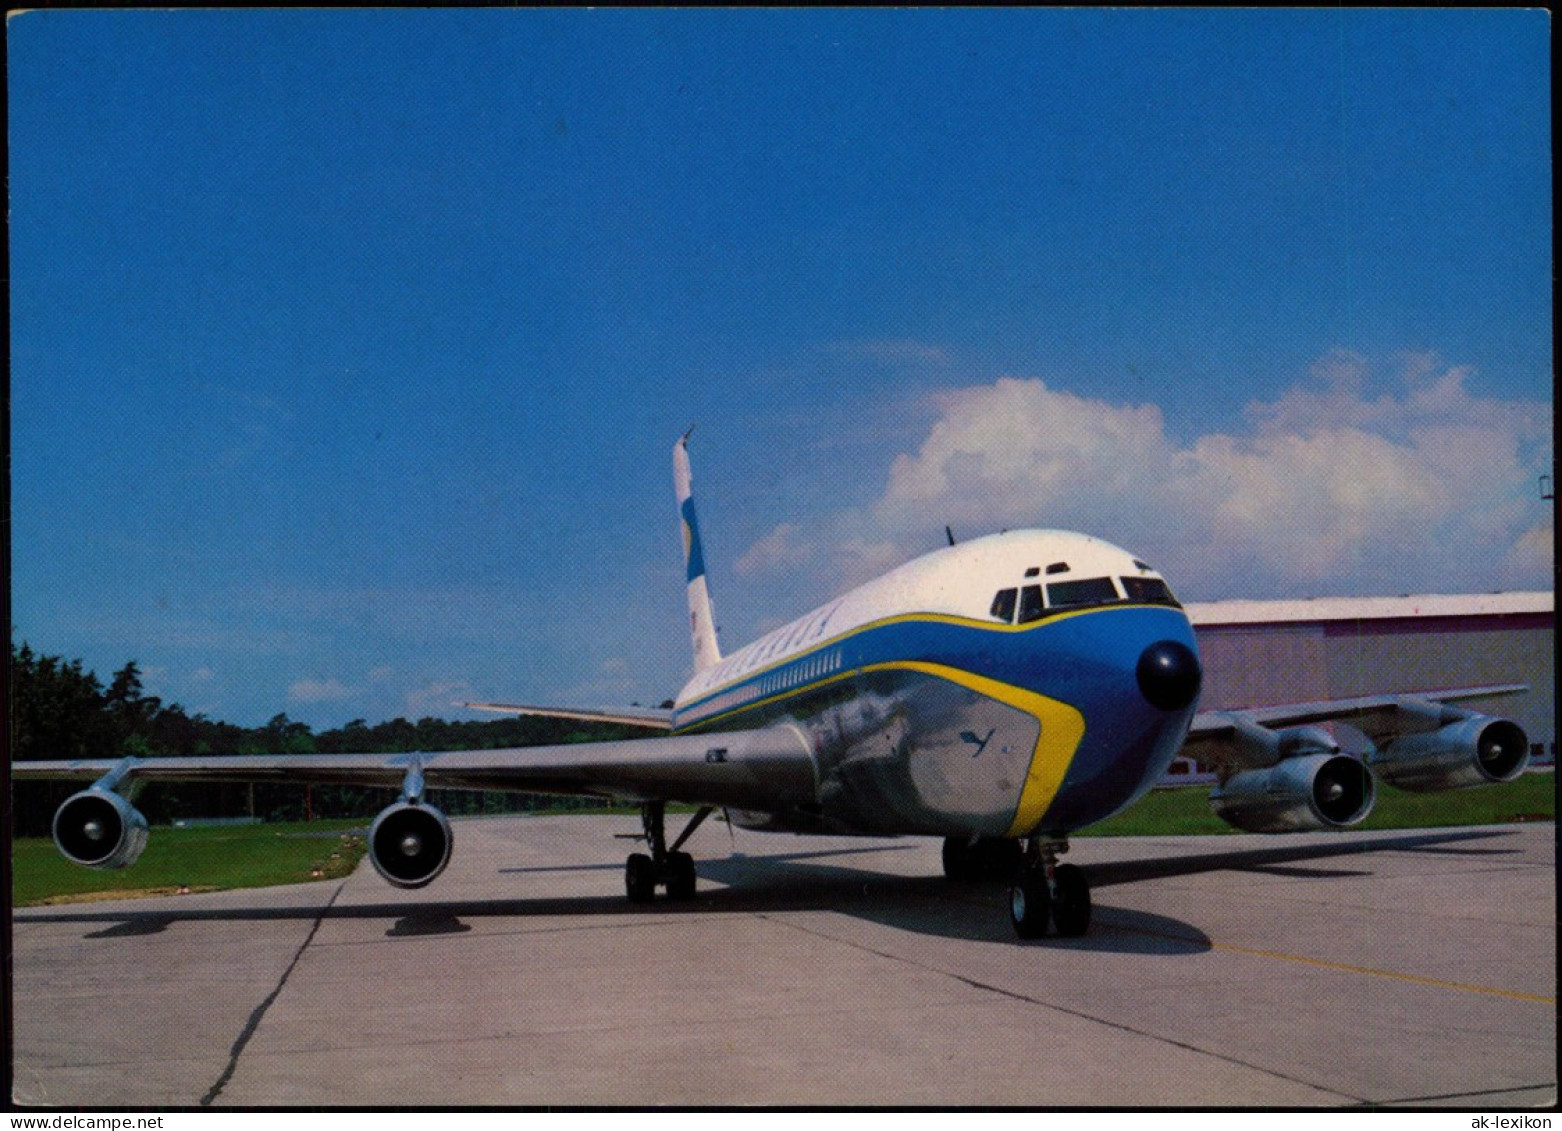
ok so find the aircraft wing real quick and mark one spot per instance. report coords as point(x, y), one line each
point(1225, 740)
point(743, 769)
point(638, 716)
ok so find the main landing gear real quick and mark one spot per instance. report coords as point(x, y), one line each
point(1045, 890)
point(664, 866)
point(1043, 893)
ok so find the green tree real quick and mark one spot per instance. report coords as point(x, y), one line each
point(57, 709)
point(132, 711)
point(283, 736)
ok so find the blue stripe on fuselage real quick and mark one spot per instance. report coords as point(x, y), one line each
point(1086, 659)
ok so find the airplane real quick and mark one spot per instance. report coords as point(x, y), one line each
point(1000, 693)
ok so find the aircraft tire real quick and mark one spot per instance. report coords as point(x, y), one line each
point(680, 876)
point(640, 878)
point(1030, 904)
point(1070, 901)
point(960, 862)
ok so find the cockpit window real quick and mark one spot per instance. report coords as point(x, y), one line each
point(1089, 591)
point(1031, 607)
point(1003, 605)
point(1148, 590)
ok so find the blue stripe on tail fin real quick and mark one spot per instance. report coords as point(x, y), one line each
point(693, 555)
point(702, 618)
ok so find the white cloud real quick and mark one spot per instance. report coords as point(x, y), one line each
point(782, 548)
point(1016, 449)
point(858, 558)
point(1533, 554)
point(1363, 478)
point(318, 691)
point(1305, 508)
point(1434, 394)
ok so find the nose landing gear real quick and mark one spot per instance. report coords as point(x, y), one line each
point(968, 859)
point(664, 866)
point(1048, 893)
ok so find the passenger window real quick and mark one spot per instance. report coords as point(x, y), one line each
point(1003, 606)
point(1072, 594)
point(1031, 607)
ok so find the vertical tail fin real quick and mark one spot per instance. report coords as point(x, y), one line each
point(702, 620)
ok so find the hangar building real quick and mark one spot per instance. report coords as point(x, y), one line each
point(1260, 653)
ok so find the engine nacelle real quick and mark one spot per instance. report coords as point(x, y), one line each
point(1316, 791)
point(1474, 751)
point(409, 844)
point(99, 829)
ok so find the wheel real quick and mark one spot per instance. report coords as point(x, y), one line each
point(1070, 901)
point(640, 878)
point(960, 864)
point(1030, 904)
point(680, 876)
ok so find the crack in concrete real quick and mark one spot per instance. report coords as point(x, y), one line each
point(1450, 1096)
point(1029, 1000)
point(259, 1011)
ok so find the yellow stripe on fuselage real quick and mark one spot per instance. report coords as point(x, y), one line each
point(868, 626)
point(1061, 727)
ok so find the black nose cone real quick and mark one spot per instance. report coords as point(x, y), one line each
point(1169, 675)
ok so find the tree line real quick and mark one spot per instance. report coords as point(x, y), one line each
point(59, 710)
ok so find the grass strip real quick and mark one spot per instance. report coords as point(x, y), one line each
point(1185, 811)
point(204, 858)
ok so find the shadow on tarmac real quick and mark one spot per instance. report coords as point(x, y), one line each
point(617, 866)
point(1271, 859)
point(815, 881)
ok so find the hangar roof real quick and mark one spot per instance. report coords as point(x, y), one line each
point(1370, 608)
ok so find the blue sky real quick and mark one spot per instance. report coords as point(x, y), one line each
point(348, 348)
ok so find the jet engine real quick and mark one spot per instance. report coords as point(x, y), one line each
point(100, 829)
point(1313, 791)
point(409, 844)
point(1473, 751)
